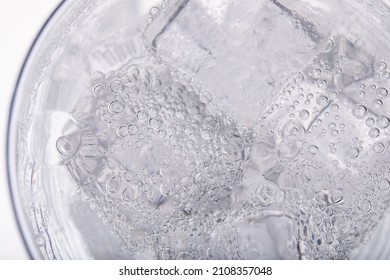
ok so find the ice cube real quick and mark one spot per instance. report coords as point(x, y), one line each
point(244, 55)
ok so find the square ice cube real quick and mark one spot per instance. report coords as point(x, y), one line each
point(241, 51)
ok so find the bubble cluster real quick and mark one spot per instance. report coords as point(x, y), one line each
point(166, 168)
point(175, 177)
point(335, 183)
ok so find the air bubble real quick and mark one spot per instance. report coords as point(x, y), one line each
point(116, 86)
point(332, 125)
point(373, 132)
point(334, 132)
point(148, 240)
point(370, 122)
point(149, 20)
point(162, 133)
point(128, 176)
point(358, 69)
point(219, 216)
point(304, 114)
point(381, 66)
point(292, 129)
point(322, 84)
point(299, 78)
point(334, 107)
point(127, 194)
point(65, 146)
point(329, 45)
point(322, 100)
point(116, 107)
point(168, 254)
point(386, 75)
point(97, 75)
point(98, 91)
point(313, 149)
point(131, 89)
point(266, 194)
point(122, 131)
point(382, 92)
point(353, 152)
point(333, 94)
point(154, 110)
point(165, 171)
point(181, 114)
point(378, 147)
point(383, 122)
point(156, 122)
point(154, 11)
point(132, 129)
point(337, 71)
point(166, 189)
point(114, 184)
point(40, 240)
point(151, 195)
point(160, 96)
point(367, 206)
point(384, 184)
point(359, 111)
point(205, 97)
point(377, 103)
point(184, 256)
point(85, 195)
point(142, 115)
point(199, 179)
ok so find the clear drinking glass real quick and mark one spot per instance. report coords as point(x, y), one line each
point(199, 129)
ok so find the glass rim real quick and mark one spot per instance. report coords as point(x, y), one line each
point(10, 155)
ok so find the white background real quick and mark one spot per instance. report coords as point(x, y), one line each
point(20, 21)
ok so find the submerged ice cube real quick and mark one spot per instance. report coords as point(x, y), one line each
point(244, 53)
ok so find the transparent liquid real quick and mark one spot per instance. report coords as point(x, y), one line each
point(170, 164)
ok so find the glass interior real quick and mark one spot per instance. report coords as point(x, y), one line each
point(199, 129)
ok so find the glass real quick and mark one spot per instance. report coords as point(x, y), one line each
point(197, 129)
